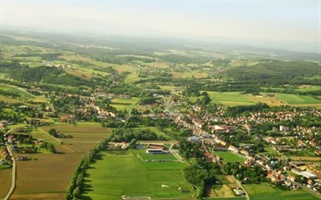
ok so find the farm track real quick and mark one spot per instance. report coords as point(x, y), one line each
point(13, 175)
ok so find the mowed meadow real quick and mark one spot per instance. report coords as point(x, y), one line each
point(264, 191)
point(277, 99)
point(47, 175)
point(118, 174)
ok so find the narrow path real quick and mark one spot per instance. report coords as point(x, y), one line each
point(238, 182)
point(59, 141)
point(13, 175)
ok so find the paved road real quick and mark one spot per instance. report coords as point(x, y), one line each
point(13, 176)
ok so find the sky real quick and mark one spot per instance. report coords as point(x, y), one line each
point(265, 20)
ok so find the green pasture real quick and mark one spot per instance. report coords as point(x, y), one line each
point(294, 99)
point(16, 90)
point(264, 191)
point(114, 176)
point(228, 98)
point(124, 104)
point(312, 88)
point(132, 78)
point(229, 156)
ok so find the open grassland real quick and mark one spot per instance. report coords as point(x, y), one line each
point(230, 98)
point(309, 88)
point(264, 191)
point(45, 173)
point(298, 100)
point(229, 156)
point(124, 104)
point(20, 91)
point(189, 75)
point(114, 176)
point(5, 181)
point(9, 100)
point(16, 90)
point(131, 78)
point(236, 99)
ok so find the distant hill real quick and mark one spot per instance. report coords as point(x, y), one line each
point(275, 72)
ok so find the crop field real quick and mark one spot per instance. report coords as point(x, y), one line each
point(293, 99)
point(45, 173)
point(114, 176)
point(5, 181)
point(264, 191)
point(229, 156)
point(85, 135)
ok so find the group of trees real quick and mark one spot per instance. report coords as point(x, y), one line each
point(254, 174)
point(126, 135)
point(50, 147)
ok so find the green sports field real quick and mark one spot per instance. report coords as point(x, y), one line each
point(264, 191)
point(117, 175)
point(229, 157)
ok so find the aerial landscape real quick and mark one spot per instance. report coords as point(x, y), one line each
point(164, 100)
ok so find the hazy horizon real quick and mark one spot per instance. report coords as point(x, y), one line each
point(293, 24)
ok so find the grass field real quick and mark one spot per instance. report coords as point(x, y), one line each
point(293, 99)
point(230, 98)
point(312, 88)
point(229, 157)
point(5, 181)
point(124, 104)
point(236, 99)
point(264, 191)
point(14, 89)
point(114, 176)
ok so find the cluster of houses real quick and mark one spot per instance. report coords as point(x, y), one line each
point(5, 158)
point(226, 125)
point(118, 145)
